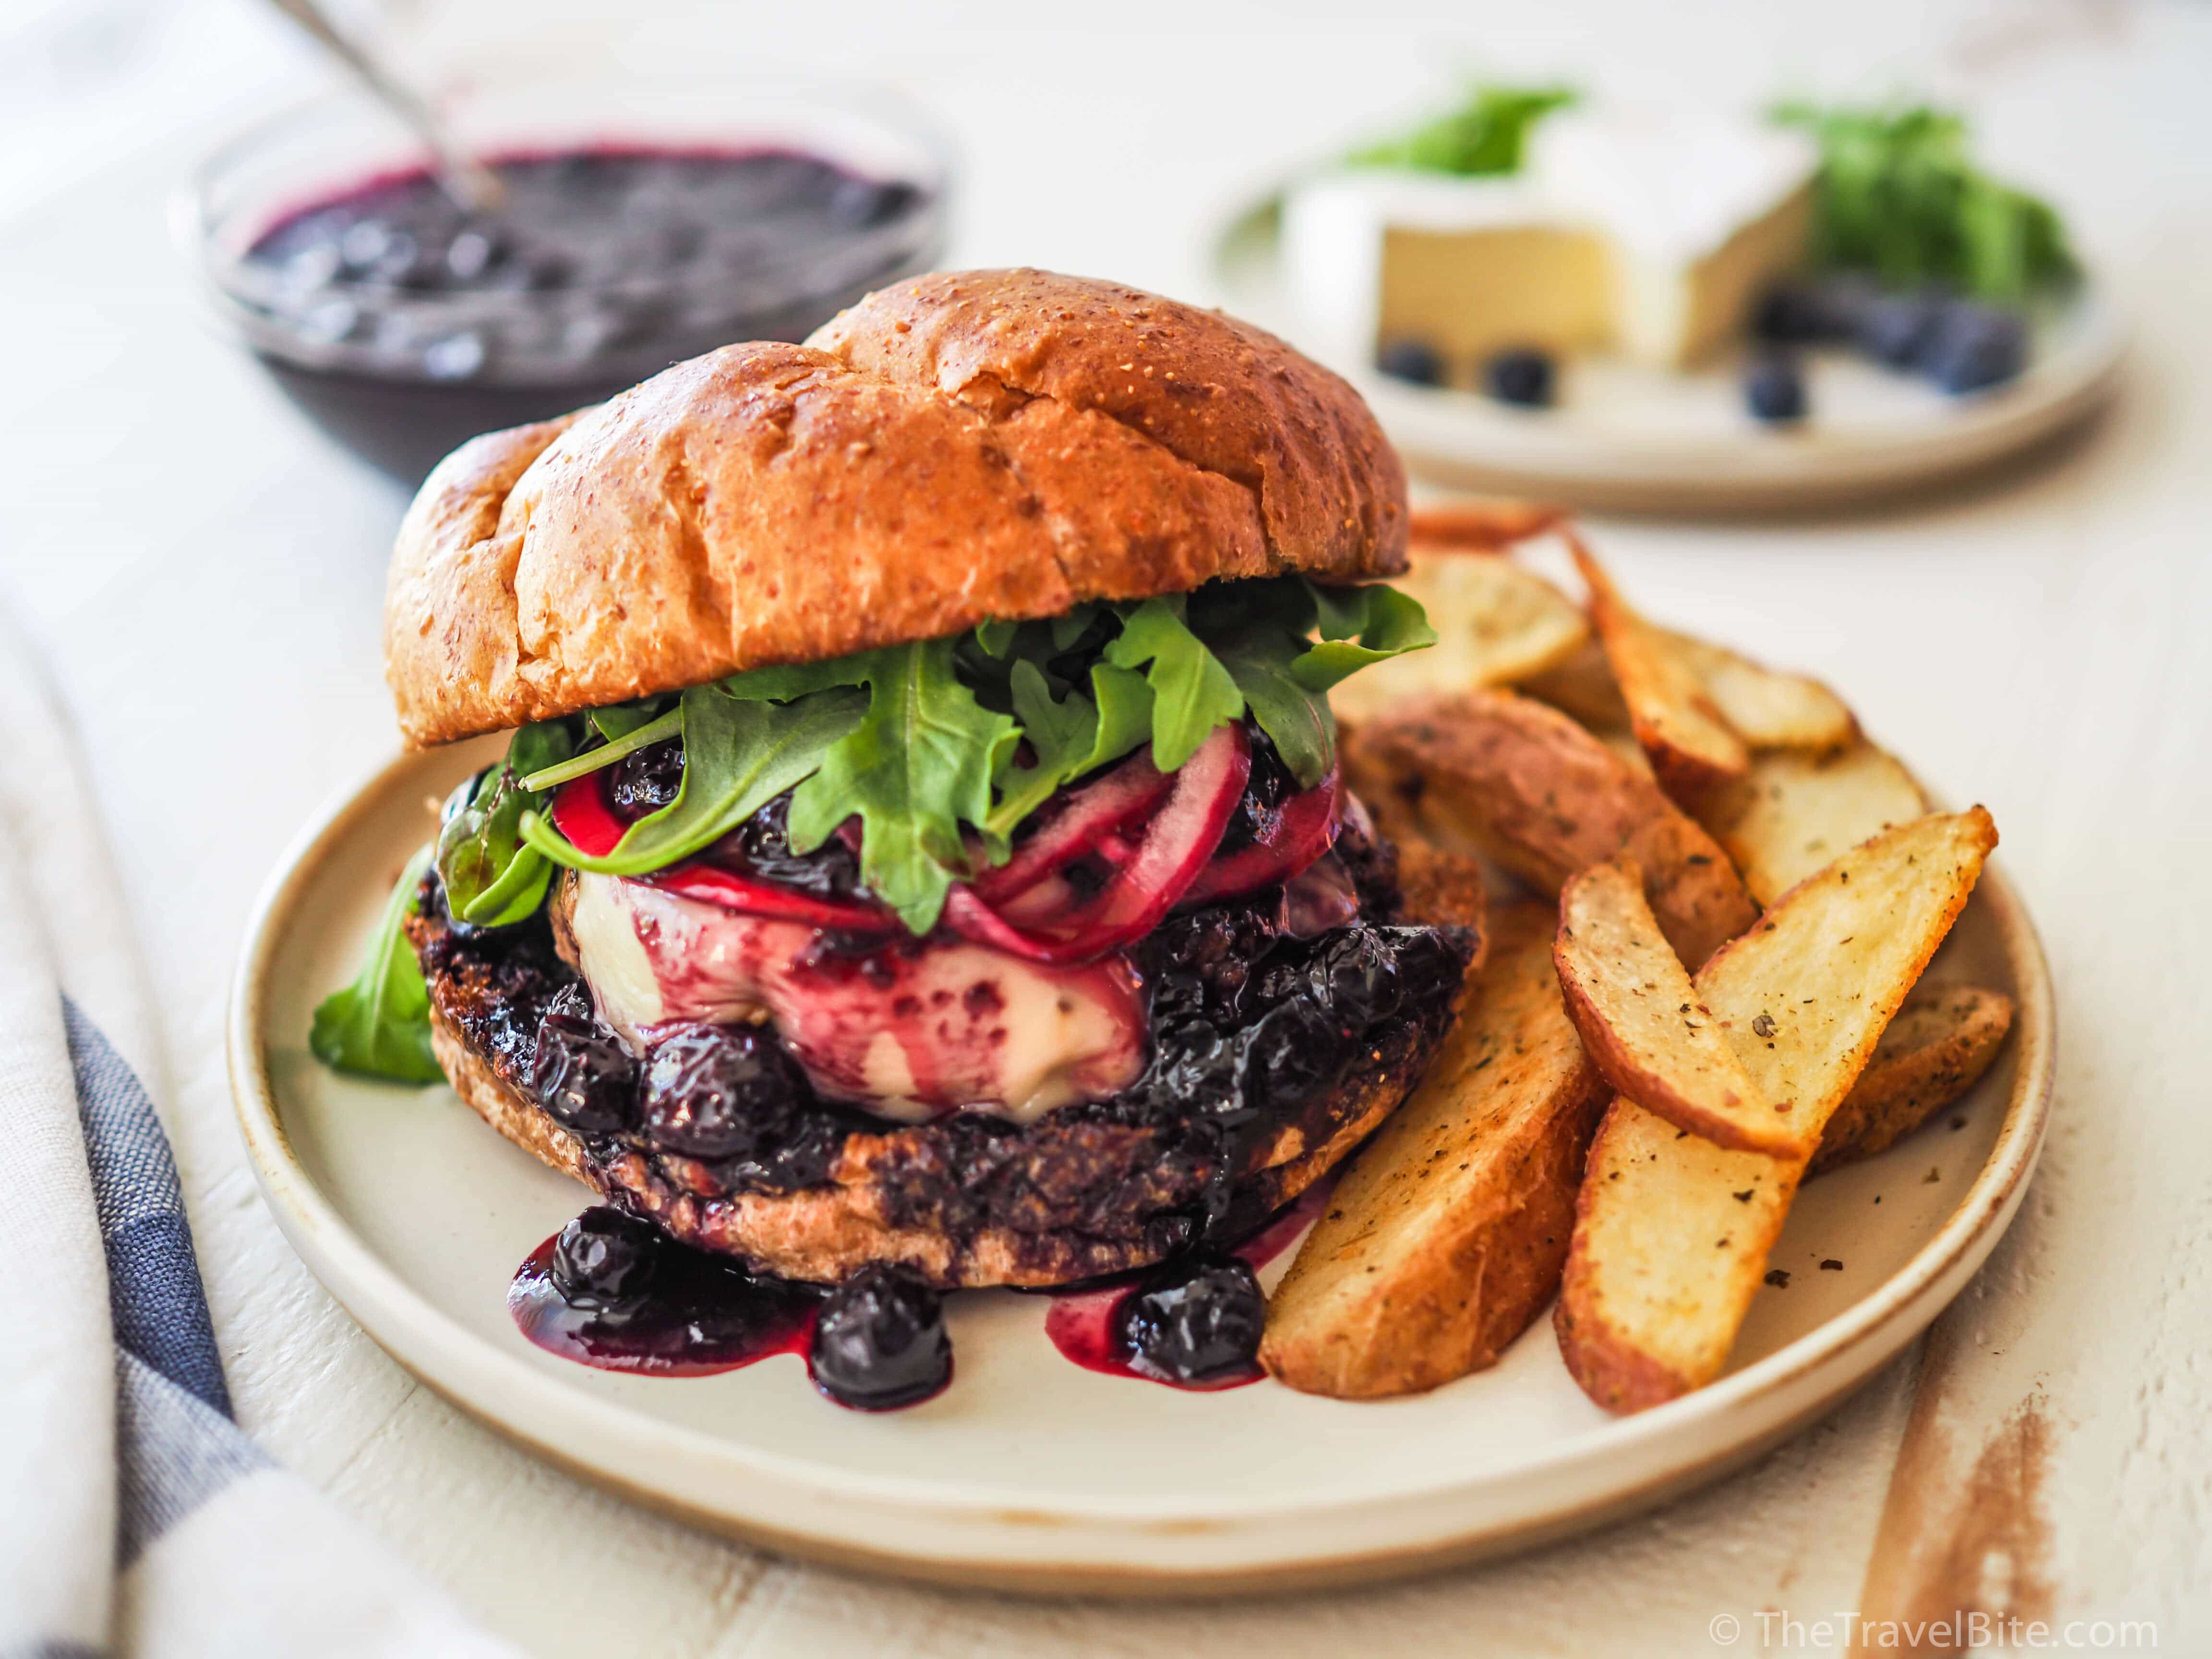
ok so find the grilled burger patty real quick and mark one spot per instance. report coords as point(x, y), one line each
point(1271, 1055)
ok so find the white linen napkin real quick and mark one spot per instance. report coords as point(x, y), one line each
point(136, 1517)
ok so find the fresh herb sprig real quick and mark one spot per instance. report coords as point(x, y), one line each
point(1486, 135)
point(379, 1025)
point(1899, 196)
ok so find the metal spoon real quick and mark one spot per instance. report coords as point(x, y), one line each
point(473, 186)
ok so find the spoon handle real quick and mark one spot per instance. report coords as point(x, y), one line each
point(471, 183)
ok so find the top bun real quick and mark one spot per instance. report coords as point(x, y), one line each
point(964, 446)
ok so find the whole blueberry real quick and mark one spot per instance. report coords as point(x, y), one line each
point(604, 1261)
point(880, 1341)
point(1894, 328)
point(1411, 360)
point(584, 1078)
point(717, 1090)
point(1522, 377)
point(1975, 346)
point(645, 780)
point(1774, 388)
point(1355, 974)
point(1792, 314)
point(1198, 1319)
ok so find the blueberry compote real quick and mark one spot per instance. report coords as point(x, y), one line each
point(612, 1290)
point(404, 325)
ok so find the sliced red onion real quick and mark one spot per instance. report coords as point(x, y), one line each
point(750, 897)
point(1084, 819)
point(1303, 827)
point(1177, 841)
point(581, 813)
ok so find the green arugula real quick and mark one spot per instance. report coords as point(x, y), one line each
point(379, 1025)
point(1192, 692)
point(492, 877)
point(1487, 134)
point(624, 735)
point(739, 755)
point(1899, 196)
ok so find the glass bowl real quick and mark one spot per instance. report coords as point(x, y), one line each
point(401, 368)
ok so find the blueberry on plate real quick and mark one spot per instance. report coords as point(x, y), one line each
point(880, 1341)
point(604, 1261)
point(1524, 377)
point(1416, 360)
point(1774, 388)
point(1197, 1321)
point(1894, 328)
point(1793, 314)
point(1974, 347)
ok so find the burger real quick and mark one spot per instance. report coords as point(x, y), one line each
point(918, 844)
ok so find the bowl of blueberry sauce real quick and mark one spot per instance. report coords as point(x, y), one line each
point(645, 220)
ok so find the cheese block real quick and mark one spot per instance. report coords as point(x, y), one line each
point(1649, 234)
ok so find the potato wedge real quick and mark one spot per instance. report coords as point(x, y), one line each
point(1445, 1237)
point(1937, 1048)
point(1671, 1232)
point(1502, 774)
point(1645, 1026)
point(1692, 748)
point(1486, 525)
point(1765, 706)
point(1791, 812)
point(1495, 620)
point(1583, 686)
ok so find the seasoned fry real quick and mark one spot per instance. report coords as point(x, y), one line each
point(1499, 774)
point(1792, 812)
point(1645, 1027)
point(1671, 1232)
point(1937, 1048)
point(1495, 620)
point(1445, 1238)
point(1482, 525)
point(1692, 748)
point(1764, 707)
point(1583, 686)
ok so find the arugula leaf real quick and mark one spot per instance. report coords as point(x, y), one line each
point(1359, 626)
point(738, 756)
point(918, 766)
point(493, 877)
point(1487, 134)
point(1062, 735)
point(1192, 692)
point(379, 1025)
point(618, 722)
point(629, 738)
point(1264, 664)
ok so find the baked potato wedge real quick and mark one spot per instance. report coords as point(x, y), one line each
point(1937, 1048)
point(1647, 1029)
point(1483, 524)
point(1520, 782)
point(1444, 1239)
point(1496, 621)
point(1671, 1232)
point(1791, 812)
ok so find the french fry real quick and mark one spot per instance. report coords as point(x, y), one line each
point(1645, 1026)
point(1937, 1048)
point(1488, 526)
point(1671, 1232)
point(1692, 748)
point(1522, 783)
point(1444, 1239)
point(1764, 707)
point(1495, 620)
point(1791, 812)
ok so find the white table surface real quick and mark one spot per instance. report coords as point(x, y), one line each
point(205, 576)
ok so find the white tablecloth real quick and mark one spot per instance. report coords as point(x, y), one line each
point(204, 577)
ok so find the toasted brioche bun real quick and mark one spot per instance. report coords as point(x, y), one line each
point(964, 446)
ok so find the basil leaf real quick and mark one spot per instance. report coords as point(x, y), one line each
point(738, 756)
point(1296, 716)
point(492, 877)
point(1192, 692)
point(379, 1025)
point(628, 742)
point(916, 768)
point(1358, 626)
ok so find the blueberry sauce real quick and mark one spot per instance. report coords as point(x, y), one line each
point(405, 324)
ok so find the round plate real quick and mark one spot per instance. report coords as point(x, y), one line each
point(1629, 439)
point(1029, 1473)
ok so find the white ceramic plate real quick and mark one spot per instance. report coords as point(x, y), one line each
point(1028, 1471)
point(1627, 439)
